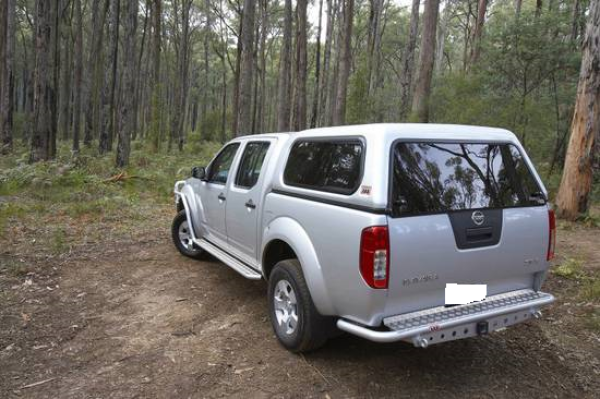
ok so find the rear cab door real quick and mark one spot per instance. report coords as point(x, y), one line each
point(244, 199)
point(462, 212)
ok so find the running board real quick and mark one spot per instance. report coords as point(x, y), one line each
point(229, 260)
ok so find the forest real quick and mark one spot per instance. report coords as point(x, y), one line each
point(163, 76)
point(105, 104)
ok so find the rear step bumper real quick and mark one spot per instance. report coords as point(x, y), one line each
point(441, 323)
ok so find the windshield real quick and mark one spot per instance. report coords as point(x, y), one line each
point(443, 177)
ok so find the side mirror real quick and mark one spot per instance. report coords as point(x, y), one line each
point(199, 172)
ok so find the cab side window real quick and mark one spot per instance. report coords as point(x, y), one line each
point(333, 166)
point(251, 164)
point(219, 168)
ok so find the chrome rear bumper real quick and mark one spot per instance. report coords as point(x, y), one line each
point(440, 324)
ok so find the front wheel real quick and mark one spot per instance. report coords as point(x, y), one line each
point(296, 322)
point(182, 237)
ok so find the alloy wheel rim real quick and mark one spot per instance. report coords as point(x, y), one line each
point(286, 307)
point(185, 237)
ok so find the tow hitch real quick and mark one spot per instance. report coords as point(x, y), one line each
point(483, 327)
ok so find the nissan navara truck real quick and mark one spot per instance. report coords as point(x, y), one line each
point(362, 228)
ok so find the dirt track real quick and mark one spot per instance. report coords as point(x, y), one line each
point(134, 319)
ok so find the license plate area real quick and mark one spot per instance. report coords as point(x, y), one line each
point(474, 329)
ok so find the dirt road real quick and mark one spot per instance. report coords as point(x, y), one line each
point(130, 318)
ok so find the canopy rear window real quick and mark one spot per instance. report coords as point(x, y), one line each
point(444, 177)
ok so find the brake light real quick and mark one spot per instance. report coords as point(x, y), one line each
point(551, 234)
point(374, 256)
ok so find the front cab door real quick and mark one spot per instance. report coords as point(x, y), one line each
point(243, 201)
point(213, 192)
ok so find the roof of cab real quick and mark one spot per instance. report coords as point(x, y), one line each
point(402, 130)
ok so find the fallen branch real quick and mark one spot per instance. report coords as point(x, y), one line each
point(35, 384)
point(122, 176)
point(118, 177)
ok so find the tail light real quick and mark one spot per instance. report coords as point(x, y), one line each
point(375, 256)
point(551, 234)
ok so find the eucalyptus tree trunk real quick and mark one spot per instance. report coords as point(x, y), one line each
point(53, 72)
point(155, 86)
point(420, 105)
point(140, 77)
point(108, 114)
point(573, 198)
point(235, 98)
point(2, 58)
point(127, 114)
point(441, 35)
point(374, 43)
point(244, 122)
point(93, 71)
point(334, 80)
point(538, 9)
point(182, 85)
point(206, 44)
point(261, 99)
point(575, 20)
point(66, 69)
point(8, 78)
point(477, 33)
point(316, 97)
point(256, 72)
point(323, 84)
point(299, 114)
point(78, 75)
point(406, 79)
point(222, 56)
point(339, 115)
point(40, 137)
point(285, 69)
point(467, 34)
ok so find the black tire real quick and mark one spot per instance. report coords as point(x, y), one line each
point(193, 252)
point(312, 329)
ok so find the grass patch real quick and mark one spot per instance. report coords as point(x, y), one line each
point(58, 242)
point(13, 268)
point(593, 321)
point(571, 268)
point(591, 290)
point(9, 211)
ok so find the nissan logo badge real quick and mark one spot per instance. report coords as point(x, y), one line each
point(477, 218)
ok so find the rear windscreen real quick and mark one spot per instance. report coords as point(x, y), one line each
point(442, 177)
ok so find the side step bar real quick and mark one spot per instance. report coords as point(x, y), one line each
point(229, 260)
point(432, 325)
point(215, 251)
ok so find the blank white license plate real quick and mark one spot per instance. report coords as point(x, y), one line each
point(461, 294)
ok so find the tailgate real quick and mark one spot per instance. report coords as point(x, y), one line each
point(462, 213)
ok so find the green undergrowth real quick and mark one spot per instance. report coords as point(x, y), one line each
point(88, 186)
point(570, 268)
point(588, 288)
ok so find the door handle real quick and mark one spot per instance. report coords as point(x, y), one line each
point(221, 197)
point(250, 204)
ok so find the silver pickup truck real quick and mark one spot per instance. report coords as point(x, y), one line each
point(363, 229)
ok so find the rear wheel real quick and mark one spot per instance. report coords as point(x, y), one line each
point(182, 237)
point(297, 324)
